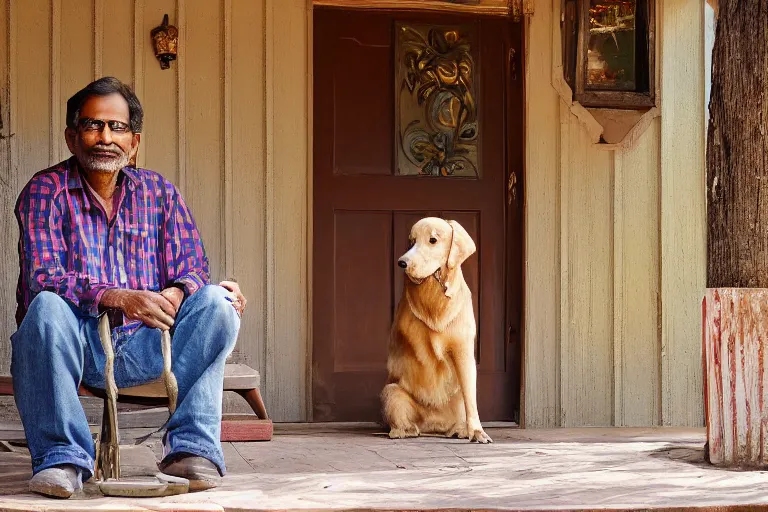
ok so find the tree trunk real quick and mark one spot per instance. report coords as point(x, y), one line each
point(737, 148)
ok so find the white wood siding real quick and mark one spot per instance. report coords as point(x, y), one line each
point(615, 245)
point(227, 124)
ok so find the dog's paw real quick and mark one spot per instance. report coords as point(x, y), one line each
point(402, 433)
point(459, 432)
point(479, 435)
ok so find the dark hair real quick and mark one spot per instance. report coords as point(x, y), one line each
point(104, 87)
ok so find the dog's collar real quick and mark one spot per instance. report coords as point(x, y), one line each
point(435, 274)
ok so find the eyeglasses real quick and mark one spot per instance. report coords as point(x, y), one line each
point(96, 125)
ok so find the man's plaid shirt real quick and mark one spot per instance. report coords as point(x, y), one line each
point(69, 247)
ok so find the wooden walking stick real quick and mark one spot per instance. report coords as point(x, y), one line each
point(109, 444)
point(171, 387)
point(108, 451)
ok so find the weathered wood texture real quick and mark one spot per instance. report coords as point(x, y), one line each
point(553, 470)
point(206, 129)
point(500, 7)
point(599, 300)
point(637, 266)
point(287, 127)
point(268, 115)
point(683, 210)
point(9, 177)
point(541, 352)
point(586, 342)
point(236, 427)
point(735, 334)
point(237, 377)
point(159, 147)
point(709, 43)
point(584, 223)
point(737, 148)
point(496, 7)
point(248, 175)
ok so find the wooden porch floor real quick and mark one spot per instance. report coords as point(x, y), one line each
point(322, 469)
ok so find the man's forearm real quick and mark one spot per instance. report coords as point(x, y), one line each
point(116, 297)
point(113, 298)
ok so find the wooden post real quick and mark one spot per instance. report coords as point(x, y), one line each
point(736, 305)
point(736, 386)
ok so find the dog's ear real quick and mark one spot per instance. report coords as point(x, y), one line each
point(462, 246)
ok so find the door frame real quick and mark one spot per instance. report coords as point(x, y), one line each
point(520, 193)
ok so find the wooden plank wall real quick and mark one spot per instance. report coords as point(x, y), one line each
point(586, 279)
point(683, 236)
point(636, 283)
point(227, 124)
point(541, 350)
point(612, 334)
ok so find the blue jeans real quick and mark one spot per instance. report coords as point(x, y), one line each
point(57, 346)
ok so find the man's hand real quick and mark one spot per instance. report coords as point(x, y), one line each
point(151, 308)
point(175, 296)
point(238, 300)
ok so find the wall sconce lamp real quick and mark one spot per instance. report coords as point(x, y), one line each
point(165, 40)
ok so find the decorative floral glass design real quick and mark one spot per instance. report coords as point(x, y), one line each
point(611, 51)
point(436, 104)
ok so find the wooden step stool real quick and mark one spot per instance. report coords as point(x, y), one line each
point(240, 378)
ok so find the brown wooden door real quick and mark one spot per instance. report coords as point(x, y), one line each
point(365, 204)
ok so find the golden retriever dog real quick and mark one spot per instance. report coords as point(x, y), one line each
point(431, 363)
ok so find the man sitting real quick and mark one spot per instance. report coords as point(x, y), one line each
point(99, 236)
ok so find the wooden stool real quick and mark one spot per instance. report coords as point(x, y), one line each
point(240, 378)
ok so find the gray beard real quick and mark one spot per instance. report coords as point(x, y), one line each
point(91, 163)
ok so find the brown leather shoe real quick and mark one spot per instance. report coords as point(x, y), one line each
point(201, 473)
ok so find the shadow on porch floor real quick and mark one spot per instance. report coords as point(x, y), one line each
point(567, 469)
